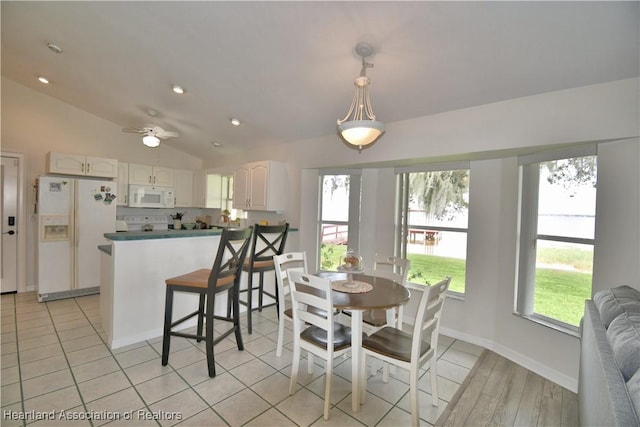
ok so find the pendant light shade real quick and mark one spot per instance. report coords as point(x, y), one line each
point(360, 127)
point(361, 132)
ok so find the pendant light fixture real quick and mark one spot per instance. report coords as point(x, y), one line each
point(360, 127)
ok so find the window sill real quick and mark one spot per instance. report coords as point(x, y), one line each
point(574, 331)
point(455, 296)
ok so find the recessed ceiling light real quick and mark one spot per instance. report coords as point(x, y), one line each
point(216, 144)
point(235, 122)
point(177, 89)
point(54, 48)
point(43, 79)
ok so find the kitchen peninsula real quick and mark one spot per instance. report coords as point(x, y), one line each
point(133, 270)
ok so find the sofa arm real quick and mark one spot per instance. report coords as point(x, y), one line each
point(603, 398)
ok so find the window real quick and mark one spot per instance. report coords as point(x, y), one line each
point(339, 217)
point(220, 194)
point(433, 219)
point(557, 226)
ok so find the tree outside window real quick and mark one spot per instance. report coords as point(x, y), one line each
point(434, 225)
point(339, 215)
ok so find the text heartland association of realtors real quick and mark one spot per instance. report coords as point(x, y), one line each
point(138, 415)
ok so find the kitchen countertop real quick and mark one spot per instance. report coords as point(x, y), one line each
point(161, 234)
point(105, 248)
point(165, 234)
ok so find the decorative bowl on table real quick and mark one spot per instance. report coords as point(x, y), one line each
point(189, 225)
point(351, 263)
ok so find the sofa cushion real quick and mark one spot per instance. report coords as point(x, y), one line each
point(633, 385)
point(613, 302)
point(624, 337)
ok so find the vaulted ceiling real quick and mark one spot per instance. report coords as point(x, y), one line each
point(286, 69)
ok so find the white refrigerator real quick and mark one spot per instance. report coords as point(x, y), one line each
point(73, 215)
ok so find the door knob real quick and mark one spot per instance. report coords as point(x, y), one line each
point(10, 232)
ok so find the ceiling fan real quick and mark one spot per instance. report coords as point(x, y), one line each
point(152, 134)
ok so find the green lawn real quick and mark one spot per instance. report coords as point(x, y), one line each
point(559, 294)
point(430, 269)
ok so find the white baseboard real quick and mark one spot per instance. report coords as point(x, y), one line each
point(544, 371)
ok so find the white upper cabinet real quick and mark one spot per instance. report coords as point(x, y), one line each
point(184, 188)
point(260, 186)
point(241, 187)
point(200, 188)
point(122, 196)
point(75, 164)
point(151, 175)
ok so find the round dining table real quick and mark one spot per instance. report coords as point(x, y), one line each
point(384, 294)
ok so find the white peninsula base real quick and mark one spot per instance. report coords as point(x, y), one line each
point(132, 288)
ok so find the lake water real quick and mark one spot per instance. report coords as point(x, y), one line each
point(453, 244)
point(581, 226)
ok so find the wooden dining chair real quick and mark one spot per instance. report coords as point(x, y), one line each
point(285, 263)
point(267, 241)
point(224, 276)
point(411, 350)
point(392, 268)
point(310, 297)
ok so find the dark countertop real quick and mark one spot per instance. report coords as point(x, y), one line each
point(105, 248)
point(160, 234)
point(165, 234)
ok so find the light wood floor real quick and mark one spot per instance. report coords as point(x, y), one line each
point(499, 392)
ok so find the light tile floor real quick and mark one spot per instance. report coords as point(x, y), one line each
point(56, 366)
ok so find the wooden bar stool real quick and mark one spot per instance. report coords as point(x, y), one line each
point(268, 240)
point(224, 276)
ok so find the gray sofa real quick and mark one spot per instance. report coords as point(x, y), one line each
point(609, 378)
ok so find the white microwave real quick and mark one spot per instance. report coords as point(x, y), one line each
point(146, 196)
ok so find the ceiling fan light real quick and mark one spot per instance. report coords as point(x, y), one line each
point(361, 132)
point(151, 141)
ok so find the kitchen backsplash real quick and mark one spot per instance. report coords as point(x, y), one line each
point(252, 217)
point(189, 216)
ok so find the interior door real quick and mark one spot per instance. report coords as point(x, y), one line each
point(9, 208)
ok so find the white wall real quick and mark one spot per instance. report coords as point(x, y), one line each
point(589, 113)
point(616, 256)
point(34, 124)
